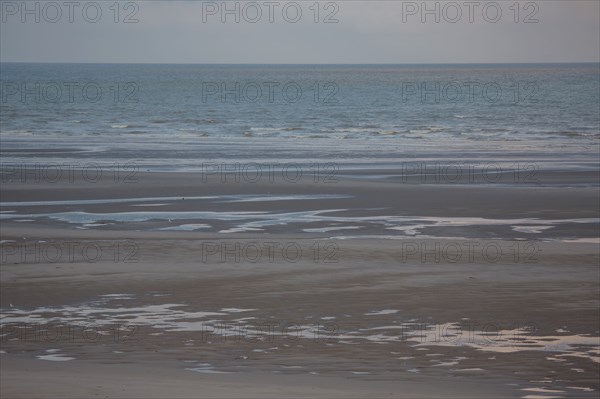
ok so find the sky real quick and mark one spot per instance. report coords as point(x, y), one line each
point(300, 32)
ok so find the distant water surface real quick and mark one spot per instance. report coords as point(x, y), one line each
point(173, 117)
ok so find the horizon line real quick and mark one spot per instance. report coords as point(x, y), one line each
point(324, 64)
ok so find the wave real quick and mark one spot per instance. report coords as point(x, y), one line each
point(569, 133)
point(17, 132)
point(126, 126)
point(200, 121)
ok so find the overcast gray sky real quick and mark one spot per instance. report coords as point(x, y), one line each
point(300, 32)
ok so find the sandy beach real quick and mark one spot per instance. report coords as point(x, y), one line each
point(360, 288)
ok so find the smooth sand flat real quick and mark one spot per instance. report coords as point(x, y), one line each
point(371, 299)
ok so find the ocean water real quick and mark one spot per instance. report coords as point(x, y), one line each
point(174, 117)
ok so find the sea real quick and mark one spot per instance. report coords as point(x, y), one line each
point(181, 117)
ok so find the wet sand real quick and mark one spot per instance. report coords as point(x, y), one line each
point(359, 294)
